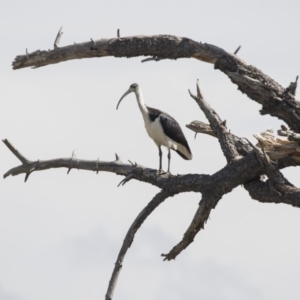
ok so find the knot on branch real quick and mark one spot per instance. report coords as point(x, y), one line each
point(226, 63)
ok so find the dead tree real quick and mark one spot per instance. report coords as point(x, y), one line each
point(246, 163)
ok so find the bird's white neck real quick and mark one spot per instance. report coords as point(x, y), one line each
point(141, 103)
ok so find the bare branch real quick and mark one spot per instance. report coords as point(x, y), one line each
point(166, 181)
point(162, 46)
point(218, 126)
point(242, 147)
point(200, 127)
point(267, 92)
point(208, 202)
point(271, 170)
point(21, 157)
point(278, 185)
point(262, 191)
point(152, 205)
point(250, 80)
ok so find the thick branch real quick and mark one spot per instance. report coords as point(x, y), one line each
point(152, 205)
point(161, 46)
point(276, 100)
point(212, 187)
point(279, 189)
point(167, 181)
point(263, 192)
point(264, 90)
point(222, 182)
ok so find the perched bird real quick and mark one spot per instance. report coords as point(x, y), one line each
point(161, 127)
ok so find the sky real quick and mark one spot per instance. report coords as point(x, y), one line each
point(60, 234)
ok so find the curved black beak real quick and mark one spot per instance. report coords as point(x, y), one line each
point(125, 94)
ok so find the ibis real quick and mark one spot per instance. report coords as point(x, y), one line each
point(161, 127)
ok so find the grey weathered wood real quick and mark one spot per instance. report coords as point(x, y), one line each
point(208, 202)
point(21, 157)
point(201, 127)
point(261, 191)
point(275, 100)
point(241, 145)
point(164, 46)
point(218, 126)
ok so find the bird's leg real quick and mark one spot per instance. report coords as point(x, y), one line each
point(169, 160)
point(160, 159)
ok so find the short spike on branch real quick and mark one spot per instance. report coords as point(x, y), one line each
point(117, 157)
point(73, 156)
point(57, 40)
point(237, 50)
point(97, 166)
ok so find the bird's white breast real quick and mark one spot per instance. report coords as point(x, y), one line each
point(156, 132)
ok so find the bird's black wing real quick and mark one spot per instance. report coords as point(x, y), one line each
point(153, 113)
point(173, 130)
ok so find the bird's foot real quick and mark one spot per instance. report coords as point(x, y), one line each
point(162, 172)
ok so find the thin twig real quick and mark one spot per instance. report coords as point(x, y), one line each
point(21, 157)
point(152, 205)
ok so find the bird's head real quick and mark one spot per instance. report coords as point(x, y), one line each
point(134, 88)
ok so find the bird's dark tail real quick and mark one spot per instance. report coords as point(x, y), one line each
point(182, 155)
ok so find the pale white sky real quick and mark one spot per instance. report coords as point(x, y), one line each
point(60, 234)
